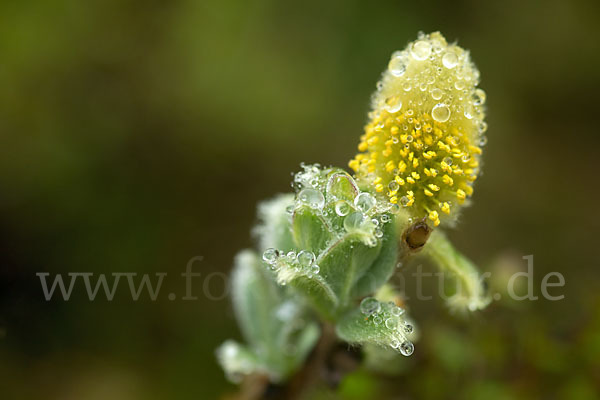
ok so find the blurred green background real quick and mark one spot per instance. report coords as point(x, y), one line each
point(139, 134)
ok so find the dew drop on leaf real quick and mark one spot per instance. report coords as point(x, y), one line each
point(370, 305)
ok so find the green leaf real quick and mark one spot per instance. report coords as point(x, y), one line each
point(237, 360)
point(270, 318)
point(310, 230)
point(471, 294)
point(345, 262)
point(384, 327)
point(274, 226)
point(383, 267)
point(255, 297)
point(301, 338)
point(312, 287)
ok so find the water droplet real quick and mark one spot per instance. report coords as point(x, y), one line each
point(364, 202)
point(394, 208)
point(377, 320)
point(306, 258)
point(450, 60)
point(378, 233)
point(353, 221)
point(291, 256)
point(459, 85)
point(408, 328)
point(342, 208)
point(447, 160)
point(420, 50)
point(407, 348)
point(385, 218)
point(466, 158)
point(393, 104)
point(391, 323)
point(270, 255)
point(483, 141)
point(397, 311)
point(437, 93)
point(406, 86)
point(397, 65)
point(370, 305)
point(468, 112)
point(395, 343)
point(440, 112)
point(404, 201)
point(479, 97)
point(341, 186)
point(313, 198)
point(483, 127)
point(315, 269)
point(289, 209)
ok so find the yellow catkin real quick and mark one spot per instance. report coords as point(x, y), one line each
point(425, 130)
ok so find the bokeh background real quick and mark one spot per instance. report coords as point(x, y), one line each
point(136, 135)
